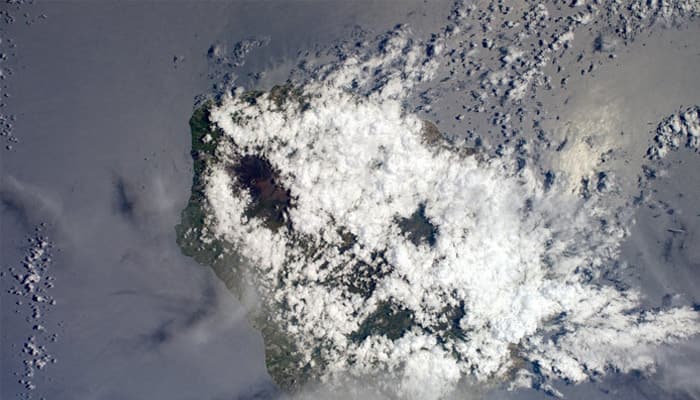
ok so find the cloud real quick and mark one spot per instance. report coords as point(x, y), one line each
point(677, 368)
point(144, 203)
point(675, 131)
point(27, 203)
point(510, 285)
point(191, 323)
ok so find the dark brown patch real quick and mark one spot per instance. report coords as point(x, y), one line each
point(271, 201)
point(431, 134)
point(433, 138)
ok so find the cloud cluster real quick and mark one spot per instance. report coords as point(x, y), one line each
point(675, 131)
point(32, 287)
point(384, 248)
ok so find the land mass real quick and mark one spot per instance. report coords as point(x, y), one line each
point(270, 202)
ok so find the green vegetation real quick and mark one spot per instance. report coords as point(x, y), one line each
point(363, 277)
point(281, 356)
point(281, 94)
point(418, 227)
point(388, 320)
point(190, 230)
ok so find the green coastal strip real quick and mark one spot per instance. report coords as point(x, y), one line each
point(195, 240)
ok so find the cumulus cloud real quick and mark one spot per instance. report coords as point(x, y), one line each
point(387, 249)
point(675, 131)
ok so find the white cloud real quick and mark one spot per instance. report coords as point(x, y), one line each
point(676, 131)
point(510, 275)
